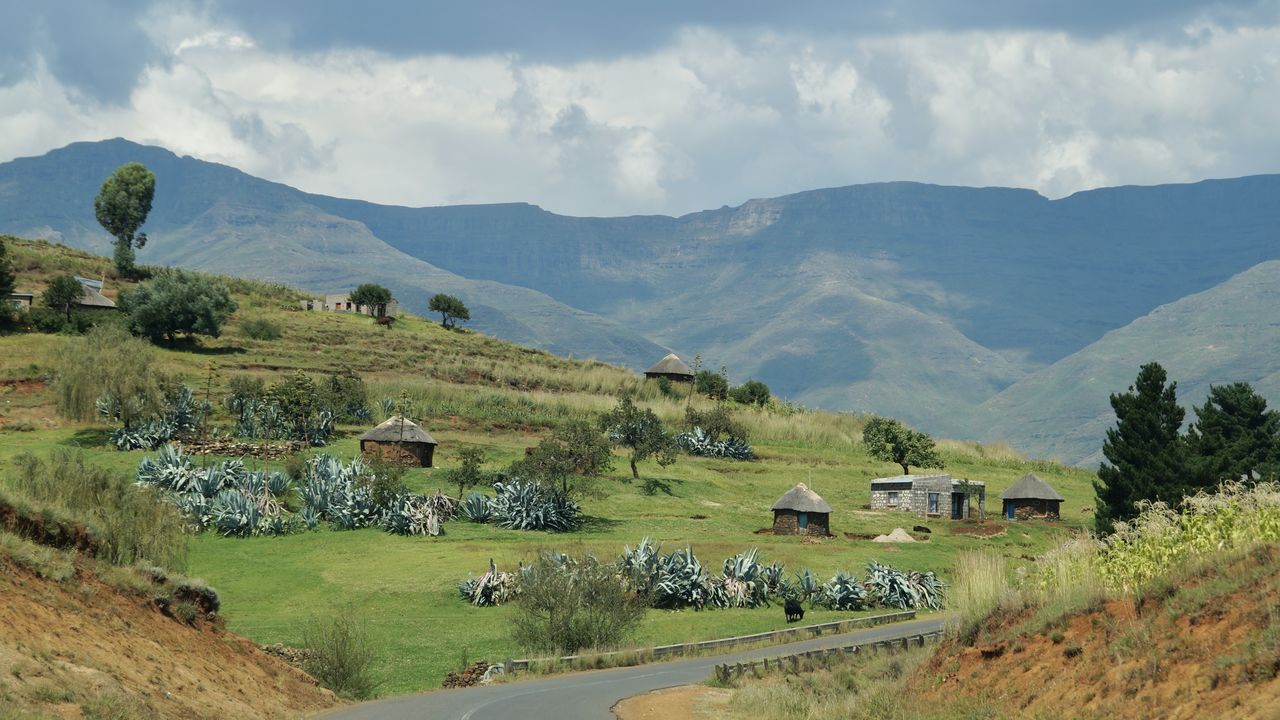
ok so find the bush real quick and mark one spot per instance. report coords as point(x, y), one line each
point(177, 301)
point(342, 655)
point(752, 392)
point(121, 368)
point(713, 385)
point(567, 605)
point(260, 329)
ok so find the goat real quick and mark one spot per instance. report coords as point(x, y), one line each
point(794, 610)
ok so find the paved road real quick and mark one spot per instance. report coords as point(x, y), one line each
point(591, 695)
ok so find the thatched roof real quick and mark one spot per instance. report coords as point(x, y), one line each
point(670, 365)
point(398, 429)
point(1030, 487)
point(802, 499)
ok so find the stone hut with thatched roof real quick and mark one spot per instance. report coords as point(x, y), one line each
point(399, 440)
point(801, 511)
point(672, 368)
point(1029, 498)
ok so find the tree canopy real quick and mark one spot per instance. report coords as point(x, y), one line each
point(751, 392)
point(63, 294)
point(7, 282)
point(1235, 436)
point(713, 385)
point(122, 206)
point(1145, 455)
point(576, 450)
point(177, 301)
point(891, 440)
point(640, 431)
point(451, 309)
point(370, 296)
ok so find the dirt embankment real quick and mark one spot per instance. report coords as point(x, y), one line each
point(81, 643)
point(1208, 646)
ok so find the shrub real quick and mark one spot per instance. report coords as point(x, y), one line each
point(121, 367)
point(713, 385)
point(342, 655)
point(752, 392)
point(566, 605)
point(260, 329)
point(177, 301)
point(981, 585)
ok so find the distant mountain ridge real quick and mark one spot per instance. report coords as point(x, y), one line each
point(921, 301)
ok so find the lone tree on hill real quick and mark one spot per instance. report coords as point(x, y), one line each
point(639, 430)
point(751, 392)
point(7, 281)
point(1234, 436)
point(450, 308)
point(574, 450)
point(63, 294)
point(468, 474)
point(122, 207)
point(178, 302)
point(1146, 457)
point(370, 296)
point(892, 441)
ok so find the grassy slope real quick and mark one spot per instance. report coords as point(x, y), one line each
point(481, 391)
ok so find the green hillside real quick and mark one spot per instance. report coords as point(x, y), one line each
point(913, 300)
point(1223, 335)
point(473, 389)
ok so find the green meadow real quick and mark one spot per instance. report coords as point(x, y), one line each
point(474, 390)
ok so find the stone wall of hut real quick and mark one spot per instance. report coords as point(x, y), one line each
point(787, 522)
point(412, 454)
point(1032, 509)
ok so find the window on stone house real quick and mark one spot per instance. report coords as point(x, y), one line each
point(893, 498)
point(933, 502)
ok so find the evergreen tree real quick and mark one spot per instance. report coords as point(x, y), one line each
point(1145, 455)
point(63, 294)
point(1234, 436)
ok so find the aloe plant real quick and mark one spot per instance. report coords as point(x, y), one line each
point(697, 442)
point(842, 592)
point(475, 508)
point(521, 505)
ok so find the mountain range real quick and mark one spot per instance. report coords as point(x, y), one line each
point(979, 313)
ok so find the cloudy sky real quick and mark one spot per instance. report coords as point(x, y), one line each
point(592, 107)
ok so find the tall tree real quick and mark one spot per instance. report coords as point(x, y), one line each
point(7, 281)
point(892, 441)
point(1145, 455)
point(370, 296)
point(122, 206)
point(1234, 436)
point(640, 431)
point(451, 309)
point(63, 294)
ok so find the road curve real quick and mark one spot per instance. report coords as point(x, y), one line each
point(591, 695)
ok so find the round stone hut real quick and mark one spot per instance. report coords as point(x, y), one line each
point(672, 368)
point(1029, 498)
point(801, 511)
point(399, 440)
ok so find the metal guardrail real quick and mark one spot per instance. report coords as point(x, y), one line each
point(791, 663)
point(795, 633)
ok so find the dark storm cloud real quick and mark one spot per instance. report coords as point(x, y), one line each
point(97, 48)
point(576, 29)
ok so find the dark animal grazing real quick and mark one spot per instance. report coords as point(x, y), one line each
point(794, 610)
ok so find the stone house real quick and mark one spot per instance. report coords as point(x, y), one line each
point(399, 440)
point(801, 512)
point(341, 302)
point(930, 496)
point(1030, 498)
point(21, 301)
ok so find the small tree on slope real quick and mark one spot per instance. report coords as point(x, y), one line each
point(892, 441)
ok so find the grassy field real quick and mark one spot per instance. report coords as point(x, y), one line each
point(476, 390)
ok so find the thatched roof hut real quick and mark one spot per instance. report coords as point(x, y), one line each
point(399, 439)
point(672, 368)
point(1031, 497)
point(801, 511)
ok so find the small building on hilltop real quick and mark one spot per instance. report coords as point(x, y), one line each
point(1029, 498)
point(341, 302)
point(399, 440)
point(21, 301)
point(672, 368)
point(937, 496)
point(801, 511)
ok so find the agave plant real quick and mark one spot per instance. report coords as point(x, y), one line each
point(169, 469)
point(355, 509)
point(521, 505)
point(743, 584)
point(842, 592)
point(235, 514)
point(697, 442)
point(806, 586)
point(490, 589)
point(279, 484)
point(681, 582)
point(197, 507)
point(412, 514)
point(907, 591)
point(475, 508)
point(640, 566)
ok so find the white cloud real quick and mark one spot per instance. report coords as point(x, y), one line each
point(706, 120)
